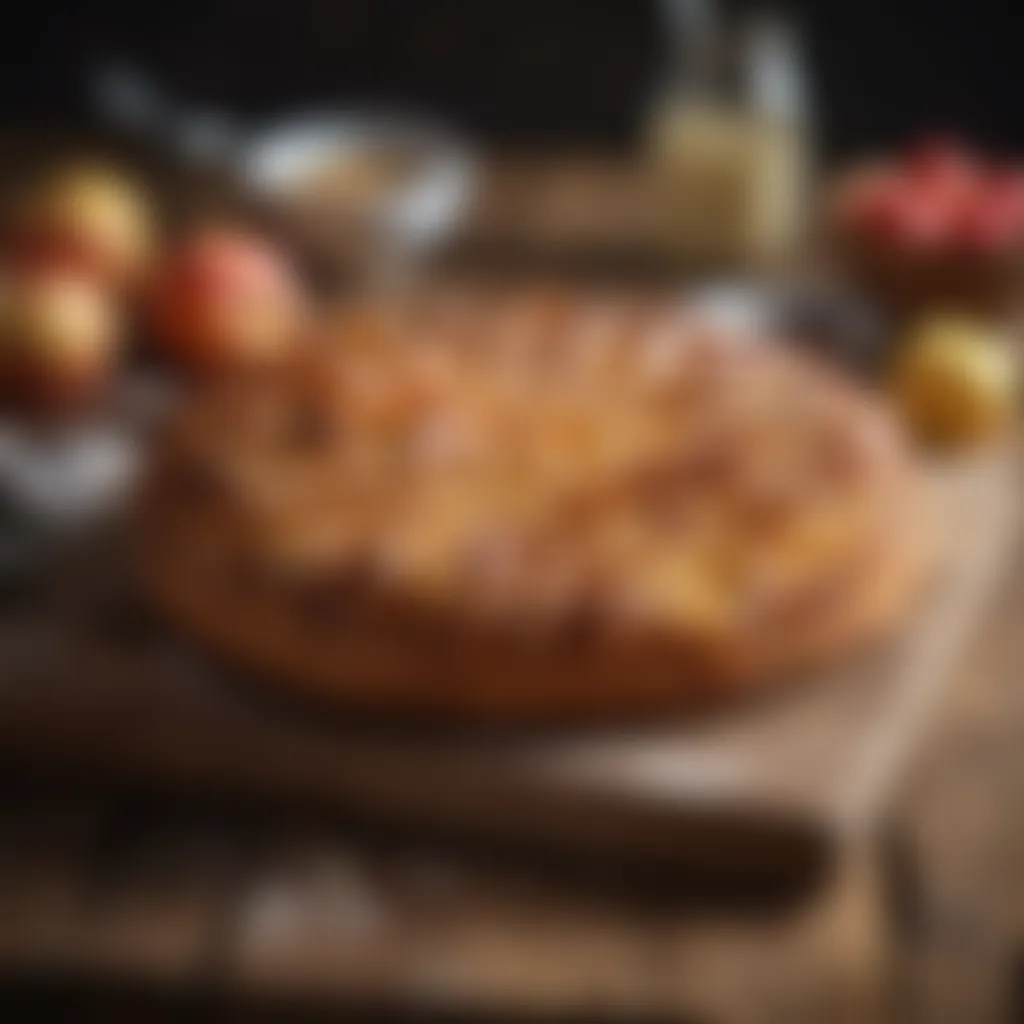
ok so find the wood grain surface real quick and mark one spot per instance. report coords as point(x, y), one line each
point(764, 794)
point(278, 918)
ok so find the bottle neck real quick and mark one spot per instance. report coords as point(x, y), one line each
point(775, 84)
point(752, 65)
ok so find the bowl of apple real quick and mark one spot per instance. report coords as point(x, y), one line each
point(938, 226)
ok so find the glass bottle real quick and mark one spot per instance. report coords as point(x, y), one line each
point(729, 140)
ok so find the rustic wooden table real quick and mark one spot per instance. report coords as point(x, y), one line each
point(169, 907)
point(116, 905)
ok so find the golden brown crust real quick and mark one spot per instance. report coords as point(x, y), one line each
point(533, 506)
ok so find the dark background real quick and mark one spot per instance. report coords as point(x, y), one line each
point(518, 72)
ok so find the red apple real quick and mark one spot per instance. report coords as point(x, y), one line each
point(1005, 189)
point(940, 160)
point(990, 226)
point(59, 336)
point(948, 174)
point(89, 217)
point(912, 219)
point(225, 298)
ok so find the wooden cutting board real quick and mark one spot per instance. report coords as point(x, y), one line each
point(766, 792)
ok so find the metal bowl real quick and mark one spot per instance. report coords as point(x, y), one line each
point(362, 190)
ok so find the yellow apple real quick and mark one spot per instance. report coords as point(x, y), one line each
point(90, 217)
point(956, 379)
point(59, 338)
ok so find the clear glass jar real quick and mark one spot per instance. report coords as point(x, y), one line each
point(729, 141)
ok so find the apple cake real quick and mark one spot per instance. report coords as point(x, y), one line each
point(533, 505)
